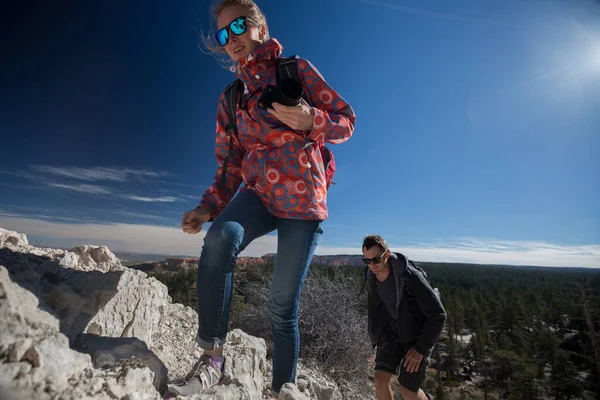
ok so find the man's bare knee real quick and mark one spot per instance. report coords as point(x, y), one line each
point(382, 378)
point(383, 389)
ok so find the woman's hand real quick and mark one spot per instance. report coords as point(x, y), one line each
point(299, 118)
point(193, 220)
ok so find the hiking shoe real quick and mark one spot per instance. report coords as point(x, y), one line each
point(204, 375)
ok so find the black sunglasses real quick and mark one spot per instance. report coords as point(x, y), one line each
point(374, 260)
point(237, 27)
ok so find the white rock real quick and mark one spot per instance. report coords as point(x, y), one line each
point(312, 382)
point(86, 290)
point(110, 350)
point(174, 341)
point(13, 239)
point(48, 368)
point(92, 258)
point(289, 391)
point(20, 303)
point(70, 260)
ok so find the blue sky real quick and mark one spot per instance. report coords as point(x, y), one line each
point(477, 132)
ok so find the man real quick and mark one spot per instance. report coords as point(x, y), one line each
point(406, 318)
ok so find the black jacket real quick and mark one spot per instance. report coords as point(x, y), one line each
point(410, 329)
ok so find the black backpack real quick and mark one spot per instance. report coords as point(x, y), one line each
point(289, 67)
point(413, 305)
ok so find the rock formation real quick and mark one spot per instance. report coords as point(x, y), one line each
point(76, 324)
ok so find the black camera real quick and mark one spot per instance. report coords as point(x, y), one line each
point(289, 94)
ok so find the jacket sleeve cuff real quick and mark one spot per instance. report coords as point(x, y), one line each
point(318, 130)
point(423, 349)
point(211, 207)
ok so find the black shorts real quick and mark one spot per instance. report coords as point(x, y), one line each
point(390, 358)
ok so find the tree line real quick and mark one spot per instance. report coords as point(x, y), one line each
point(516, 332)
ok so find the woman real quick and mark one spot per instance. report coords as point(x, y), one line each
point(276, 154)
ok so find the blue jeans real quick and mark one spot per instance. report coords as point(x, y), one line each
point(244, 219)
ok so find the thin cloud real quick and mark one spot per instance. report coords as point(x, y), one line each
point(83, 188)
point(494, 251)
point(451, 17)
point(124, 213)
point(98, 173)
point(20, 174)
point(43, 217)
point(47, 177)
point(95, 214)
point(10, 214)
point(165, 199)
point(179, 195)
point(148, 238)
point(102, 190)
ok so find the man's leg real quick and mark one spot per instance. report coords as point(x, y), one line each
point(410, 382)
point(242, 221)
point(383, 389)
point(410, 395)
point(388, 357)
point(296, 243)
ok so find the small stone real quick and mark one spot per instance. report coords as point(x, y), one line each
point(18, 349)
point(32, 357)
point(96, 385)
point(289, 391)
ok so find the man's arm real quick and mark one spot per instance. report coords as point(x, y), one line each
point(432, 308)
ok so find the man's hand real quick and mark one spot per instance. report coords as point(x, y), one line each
point(412, 360)
point(299, 118)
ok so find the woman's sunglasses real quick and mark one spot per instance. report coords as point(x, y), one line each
point(237, 27)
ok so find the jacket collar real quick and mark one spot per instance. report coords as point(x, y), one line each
point(256, 69)
point(398, 263)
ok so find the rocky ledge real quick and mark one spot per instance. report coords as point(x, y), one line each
point(76, 324)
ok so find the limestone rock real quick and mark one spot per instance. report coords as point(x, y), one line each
point(108, 351)
point(91, 258)
point(174, 339)
point(312, 382)
point(36, 361)
point(118, 303)
point(290, 391)
point(244, 369)
point(13, 239)
point(53, 301)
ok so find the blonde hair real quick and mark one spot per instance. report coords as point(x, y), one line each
point(255, 17)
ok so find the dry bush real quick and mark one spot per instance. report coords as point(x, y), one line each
point(332, 324)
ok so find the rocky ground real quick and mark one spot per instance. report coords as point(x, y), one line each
point(76, 324)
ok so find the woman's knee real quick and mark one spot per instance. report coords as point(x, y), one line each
point(223, 239)
point(282, 311)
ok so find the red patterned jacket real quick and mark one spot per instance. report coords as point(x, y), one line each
point(271, 158)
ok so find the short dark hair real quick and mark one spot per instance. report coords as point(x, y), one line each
point(373, 240)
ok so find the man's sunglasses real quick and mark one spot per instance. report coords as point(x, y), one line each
point(237, 27)
point(374, 260)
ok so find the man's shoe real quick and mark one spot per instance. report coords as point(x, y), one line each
point(204, 375)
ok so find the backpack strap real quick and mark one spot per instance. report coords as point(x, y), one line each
point(231, 99)
point(288, 68)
